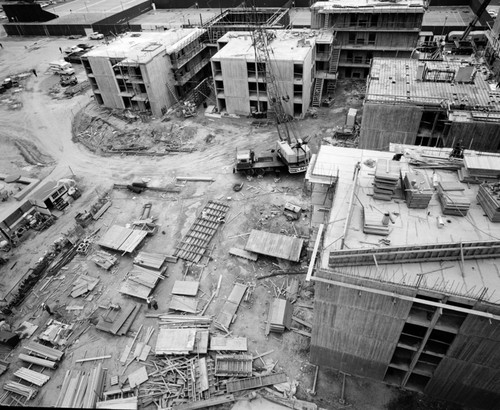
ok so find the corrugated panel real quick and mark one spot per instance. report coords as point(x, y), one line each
point(271, 244)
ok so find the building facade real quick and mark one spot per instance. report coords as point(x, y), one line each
point(367, 29)
point(148, 72)
point(242, 74)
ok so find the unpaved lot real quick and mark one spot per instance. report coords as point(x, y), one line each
point(39, 138)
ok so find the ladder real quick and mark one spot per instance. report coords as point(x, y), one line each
point(333, 69)
point(326, 25)
point(318, 92)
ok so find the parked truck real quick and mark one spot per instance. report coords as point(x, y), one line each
point(250, 163)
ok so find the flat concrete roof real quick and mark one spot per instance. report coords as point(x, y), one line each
point(395, 80)
point(441, 16)
point(340, 6)
point(411, 227)
point(285, 47)
point(142, 47)
point(107, 7)
point(174, 18)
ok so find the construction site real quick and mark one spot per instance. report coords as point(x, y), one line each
point(271, 206)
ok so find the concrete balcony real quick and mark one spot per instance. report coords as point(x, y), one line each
point(182, 60)
point(355, 62)
point(181, 80)
point(397, 27)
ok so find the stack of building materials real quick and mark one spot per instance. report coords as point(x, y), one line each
point(128, 403)
point(122, 239)
point(453, 204)
point(186, 304)
point(255, 382)
point(83, 284)
point(182, 341)
point(480, 168)
point(44, 352)
point(38, 361)
point(121, 323)
point(150, 260)
point(418, 192)
point(228, 344)
point(233, 365)
point(387, 175)
point(375, 223)
point(227, 313)
point(173, 321)
point(81, 389)
point(488, 197)
point(280, 316)
point(31, 376)
point(140, 282)
point(21, 389)
point(276, 245)
point(56, 333)
point(186, 288)
point(103, 259)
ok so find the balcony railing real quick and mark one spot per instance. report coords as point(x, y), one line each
point(382, 26)
point(181, 80)
point(183, 59)
point(355, 61)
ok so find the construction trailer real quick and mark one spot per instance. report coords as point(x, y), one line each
point(365, 29)
point(417, 309)
point(148, 71)
point(430, 103)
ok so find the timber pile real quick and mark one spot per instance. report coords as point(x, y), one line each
point(44, 352)
point(387, 175)
point(103, 259)
point(228, 344)
point(150, 260)
point(482, 167)
point(417, 190)
point(182, 341)
point(186, 304)
point(186, 288)
point(178, 321)
point(57, 333)
point(228, 312)
point(451, 204)
point(21, 389)
point(3, 366)
point(128, 403)
point(233, 365)
point(488, 197)
point(83, 284)
point(140, 282)
point(373, 223)
point(38, 361)
point(81, 389)
point(122, 323)
point(31, 376)
point(280, 316)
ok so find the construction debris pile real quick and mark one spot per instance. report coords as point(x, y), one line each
point(488, 197)
point(387, 174)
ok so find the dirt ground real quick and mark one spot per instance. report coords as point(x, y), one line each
point(40, 137)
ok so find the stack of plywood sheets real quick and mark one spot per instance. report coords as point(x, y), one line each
point(183, 304)
point(453, 204)
point(182, 341)
point(121, 324)
point(228, 311)
point(122, 239)
point(372, 223)
point(387, 175)
point(129, 403)
point(43, 351)
point(150, 260)
point(83, 284)
point(140, 282)
point(273, 244)
point(103, 259)
point(185, 287)
point(417, 190)
point(280, 316)
point(228, 344)
point(483, 167)
point(488, 197)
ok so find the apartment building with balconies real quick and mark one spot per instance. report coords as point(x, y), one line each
point(146, 71)
point(364, 29)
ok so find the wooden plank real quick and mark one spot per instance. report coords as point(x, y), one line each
point(145, 353)
point(205, 404)
point(150, 260)
point(315, 252)
point(302, 322)
point(128, 403)
point(203, 377)
point(138, 377)
point(184, 304)
point(91, 359)
point(242, 253)
point(175, 341)
point(230, 344)
point(120, 320)
point(101, 211)
point(184, 287)
point(271, 244)
point(255, 382)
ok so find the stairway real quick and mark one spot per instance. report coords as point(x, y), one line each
point(326, 26)
point(318, 92)
point(333, 69)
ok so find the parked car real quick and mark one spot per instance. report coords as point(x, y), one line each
point(72, 49)
point(61, 67)
point(85, 46)
point(74, 58)
point(96, 36)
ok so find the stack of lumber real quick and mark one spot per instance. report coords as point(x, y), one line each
point(488, 197)
point(21, 389)
point(233, 365)
point(103, 259)
point(122, 239)
point(387, 175)
point(372, 223)
point(129, 403)
point(83, 284)
point(175, 321)
point(481, 168)
point(186, 304)
point(3, 366)
point(121, 324)
point(138, 377)
point(31, 376)
point(43, 351)
point(453, 204)
point(140, 282)
point(150, 260)
point(184, 287)
point(81, 389)
point(38, 361)
point(280, 316)
point(228, 344)
point(417, 190)
point(182, 341)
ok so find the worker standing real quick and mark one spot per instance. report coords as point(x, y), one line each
point(154, 303)
point(47, 308)
point(148, 301)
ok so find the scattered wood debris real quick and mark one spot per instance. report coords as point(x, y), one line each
point(83, 284)
point(103, 259)
point(228, 311)
point(81, 389)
